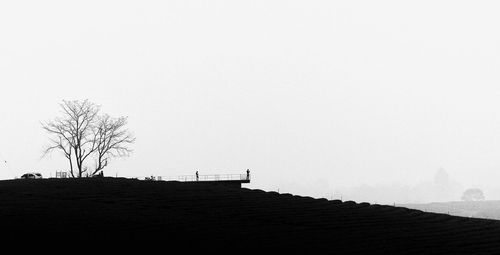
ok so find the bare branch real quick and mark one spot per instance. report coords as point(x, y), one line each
point(113, 140)
point(70, 133)
point(82, 133)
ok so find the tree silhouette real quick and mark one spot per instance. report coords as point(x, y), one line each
point(81, 133)
point(112, 139)
point(473, 195)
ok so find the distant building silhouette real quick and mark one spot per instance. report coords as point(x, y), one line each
point(441, 177)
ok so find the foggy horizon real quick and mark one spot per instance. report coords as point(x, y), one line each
point(315, 98)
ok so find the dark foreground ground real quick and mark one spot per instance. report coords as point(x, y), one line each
point(123, 212)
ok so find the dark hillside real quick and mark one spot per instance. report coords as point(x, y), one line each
point(118, 211)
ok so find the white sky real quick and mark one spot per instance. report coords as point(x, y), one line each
point(307, 94)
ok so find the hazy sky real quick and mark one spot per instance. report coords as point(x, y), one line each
point(309, 95)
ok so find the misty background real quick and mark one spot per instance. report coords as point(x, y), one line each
point(364, 100)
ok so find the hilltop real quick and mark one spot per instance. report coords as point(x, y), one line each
point(122, 211)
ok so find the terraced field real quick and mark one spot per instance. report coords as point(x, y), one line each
point(124, 211)
point(476, 209)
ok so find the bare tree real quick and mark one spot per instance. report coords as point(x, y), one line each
point(82, 133)
point(113, 140)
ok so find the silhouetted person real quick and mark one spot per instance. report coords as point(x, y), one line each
point(197, 177)
point(248, 174)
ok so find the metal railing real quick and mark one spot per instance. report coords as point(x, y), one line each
point(182, 178)
point(62, 174)
point(210, 177)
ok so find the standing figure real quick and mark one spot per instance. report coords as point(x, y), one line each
point(197, 176)
point(248, 174)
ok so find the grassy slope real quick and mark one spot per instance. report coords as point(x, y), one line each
point(122, 210)
point(478, 209)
